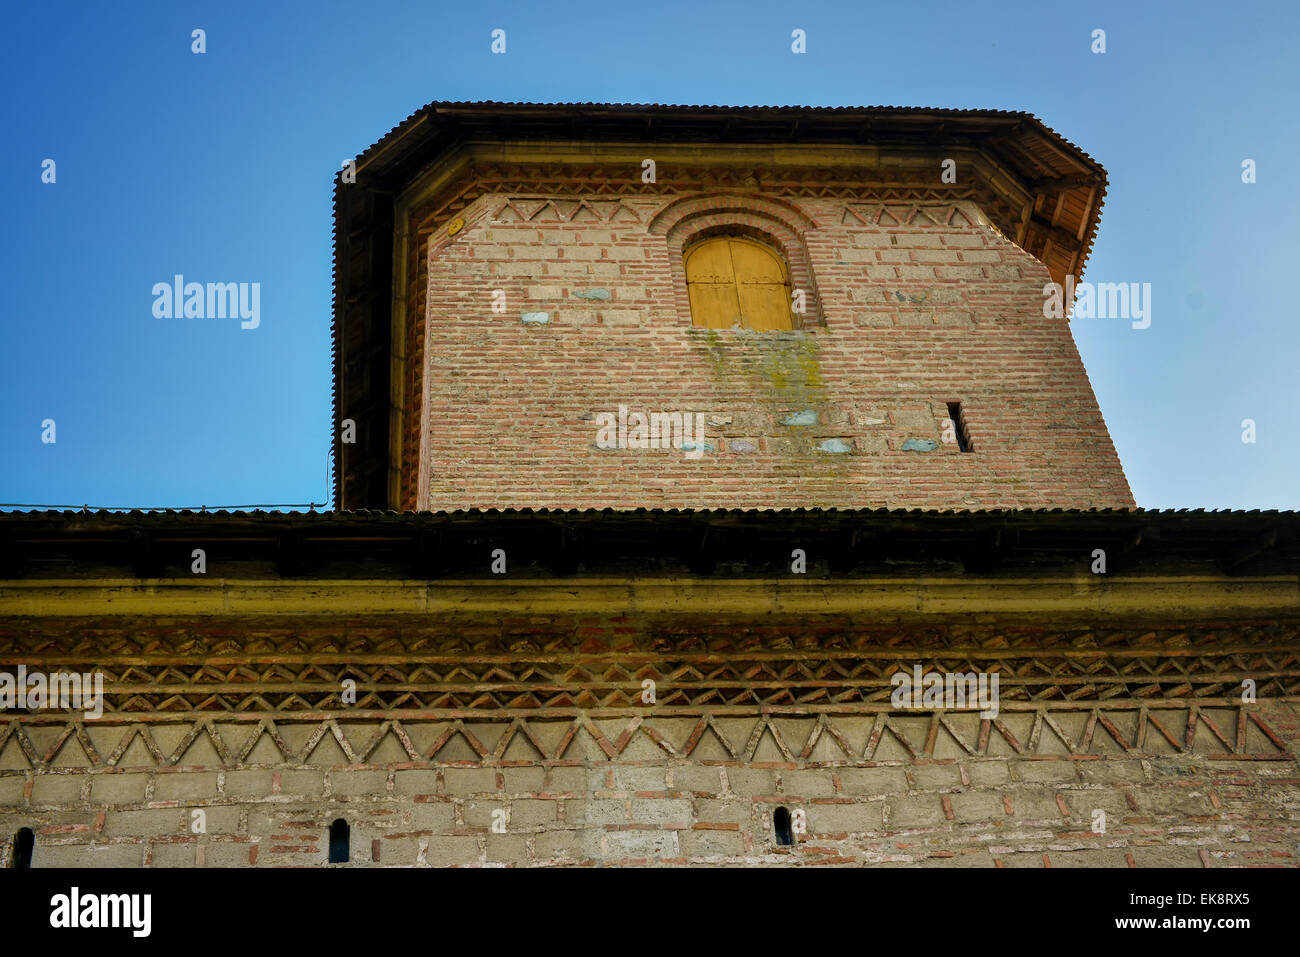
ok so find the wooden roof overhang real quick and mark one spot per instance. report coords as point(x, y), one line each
point(645, 543)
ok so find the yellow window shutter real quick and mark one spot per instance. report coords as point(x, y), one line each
point(737, 282)
point(761, 285)
point(711, 283)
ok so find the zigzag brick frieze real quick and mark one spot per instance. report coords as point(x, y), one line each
point(414, 667)
point(597, 191)
point(867, 214)
point(522, 210)
point(48, 741)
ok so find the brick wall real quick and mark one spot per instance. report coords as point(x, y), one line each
point(911, 306)
point(873, 788)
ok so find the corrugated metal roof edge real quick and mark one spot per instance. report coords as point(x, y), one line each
point(335, 515)
point(701, 107)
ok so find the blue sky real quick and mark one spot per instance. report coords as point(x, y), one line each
point(220, 166)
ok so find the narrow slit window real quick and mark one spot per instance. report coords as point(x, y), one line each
point(340, 842)
point(959, 426)
point(24, 844)
point(781, 823)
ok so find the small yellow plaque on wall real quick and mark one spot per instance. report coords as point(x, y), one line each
point(455, 227)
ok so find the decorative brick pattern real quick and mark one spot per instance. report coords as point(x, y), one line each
point(599, 662)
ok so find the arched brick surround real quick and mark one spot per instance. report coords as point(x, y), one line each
point(780, 224)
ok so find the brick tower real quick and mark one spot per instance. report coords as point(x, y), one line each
point(542, 279)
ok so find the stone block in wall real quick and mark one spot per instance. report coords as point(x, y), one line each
point(153, 822)
point(110, 788)
point(88, 855)
point(637, 779)
point(415, 781)
point(915, 810)
point(712, 843)
point(808, 784)
point(566, 845)
point(248, 784)
point(696, 779)
point(648, 845)
point(868, 782)
point(470, 781)
point(176, 855)
point(12, 789)
point(57, 788)
point(1046, 771)
point(933, 776)
point(506, 848)
point(482, 813)
point(359, 783)
point(532, 813)
point(844, 818)
point(988, 773)
point(433, 816)
point(978, 806)
point(302, 783)
point(185, 786)
point(452, 851)
point(737, 811)
point(567, 780)
point(529, 780)
point(751, 782)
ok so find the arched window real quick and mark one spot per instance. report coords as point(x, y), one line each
point(24, 843)
point(736, 282)
point(340, 842)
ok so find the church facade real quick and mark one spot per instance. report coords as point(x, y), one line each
point(713, 487)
